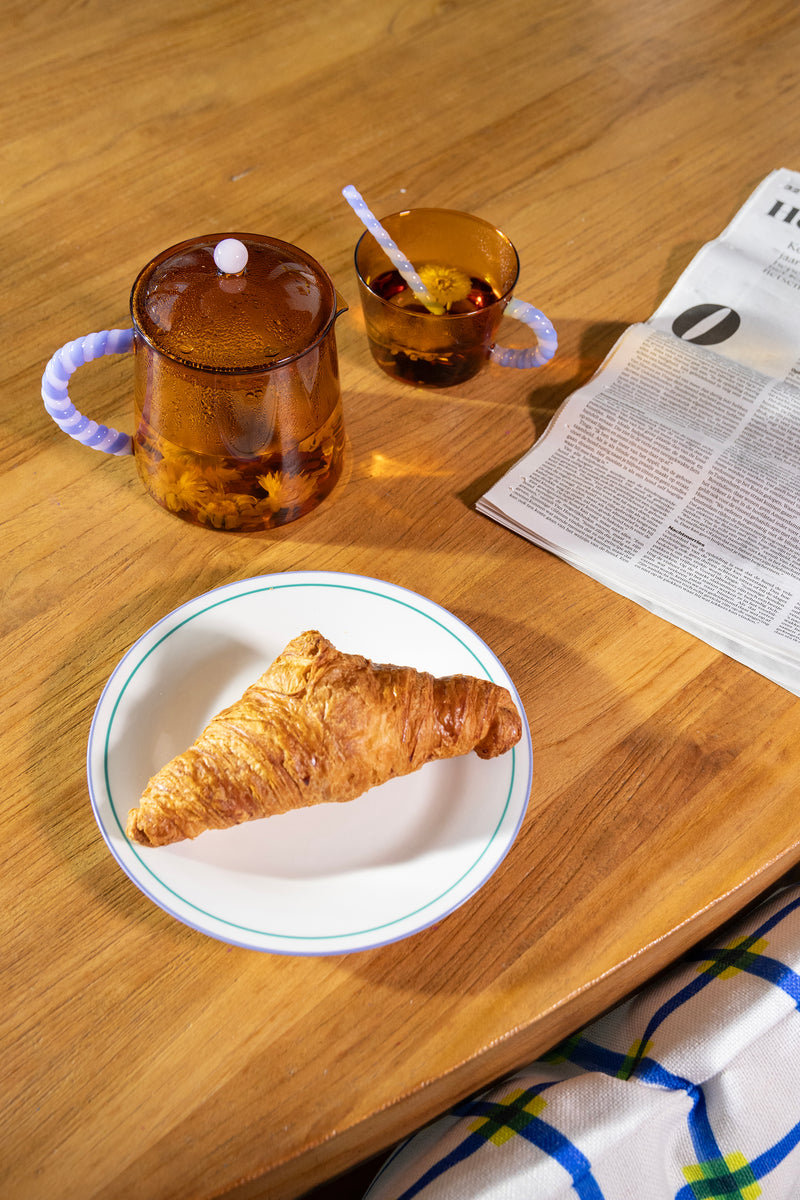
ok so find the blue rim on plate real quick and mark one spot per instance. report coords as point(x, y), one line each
point(333, 878)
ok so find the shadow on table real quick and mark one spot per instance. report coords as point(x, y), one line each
point(582, 350)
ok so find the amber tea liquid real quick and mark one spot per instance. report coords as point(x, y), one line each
point(240, 458)
point(411, 343)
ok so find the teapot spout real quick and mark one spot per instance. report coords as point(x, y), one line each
point(341, 306)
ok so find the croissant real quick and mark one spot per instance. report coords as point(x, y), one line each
point(319, 726)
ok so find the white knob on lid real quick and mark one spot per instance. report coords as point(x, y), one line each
point(230, 255)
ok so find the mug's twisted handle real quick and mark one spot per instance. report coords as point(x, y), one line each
point(533, 356)
point(56, 398)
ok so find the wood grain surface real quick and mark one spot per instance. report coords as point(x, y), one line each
point(609, 138)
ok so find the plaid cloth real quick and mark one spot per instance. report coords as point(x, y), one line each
point(690, 1090)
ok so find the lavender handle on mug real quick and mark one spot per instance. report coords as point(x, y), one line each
point(546, 339)
point(56, 396)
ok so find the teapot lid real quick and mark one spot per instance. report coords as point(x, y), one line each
point(233, 302)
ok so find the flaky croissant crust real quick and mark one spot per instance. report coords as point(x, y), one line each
point(318, 726)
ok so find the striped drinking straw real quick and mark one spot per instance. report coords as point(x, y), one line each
point(393, 251)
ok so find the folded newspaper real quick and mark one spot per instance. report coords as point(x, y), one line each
point(673, 475)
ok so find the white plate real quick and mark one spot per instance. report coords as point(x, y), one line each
point(333, 877)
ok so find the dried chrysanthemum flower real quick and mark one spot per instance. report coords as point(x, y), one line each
point(218, 475)
point(284, 491)
point(176, 485)
point(226, 511)
point(447, 285)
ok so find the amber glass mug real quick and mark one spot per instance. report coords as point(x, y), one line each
point(471, 269)
point(237, 404)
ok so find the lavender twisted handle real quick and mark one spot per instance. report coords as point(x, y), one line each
point(546, 339)
point(56, 398)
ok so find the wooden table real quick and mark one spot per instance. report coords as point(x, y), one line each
point(141, 1059)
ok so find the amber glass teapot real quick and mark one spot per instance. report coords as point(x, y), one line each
point(237, 405)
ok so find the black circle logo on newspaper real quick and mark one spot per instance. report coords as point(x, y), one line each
point(706, 324)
